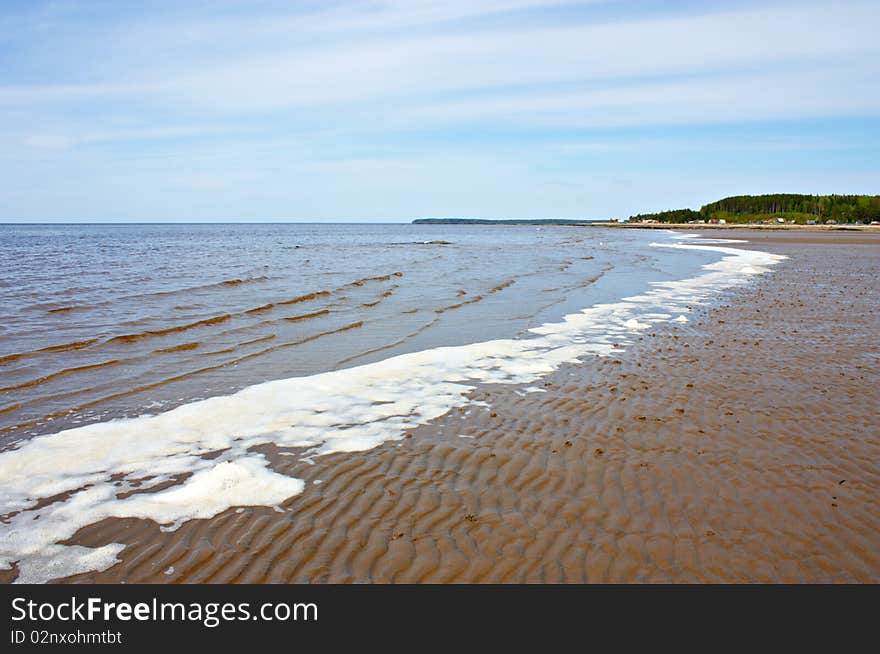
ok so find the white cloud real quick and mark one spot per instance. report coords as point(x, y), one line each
point(403, 68)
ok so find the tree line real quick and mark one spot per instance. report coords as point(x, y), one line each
point(789, 206)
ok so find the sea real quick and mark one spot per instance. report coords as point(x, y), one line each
point(139, 354)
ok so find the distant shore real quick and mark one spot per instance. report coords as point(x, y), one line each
point(842, 227)
point(872, 229)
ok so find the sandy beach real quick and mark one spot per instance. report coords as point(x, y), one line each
point(849, 230)
point(743, 446)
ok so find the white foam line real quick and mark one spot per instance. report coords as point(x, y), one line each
point(339, 411)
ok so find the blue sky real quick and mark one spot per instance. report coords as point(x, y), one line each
point(393, 110)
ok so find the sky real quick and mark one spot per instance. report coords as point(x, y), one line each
point(390, 110)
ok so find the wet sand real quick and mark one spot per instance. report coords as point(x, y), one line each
point(743, 446)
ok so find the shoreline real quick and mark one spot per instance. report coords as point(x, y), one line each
point(710, 451)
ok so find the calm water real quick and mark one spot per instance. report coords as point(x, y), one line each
point(100, 321)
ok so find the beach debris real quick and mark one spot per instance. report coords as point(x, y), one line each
point(470, 517)
point(598, 452)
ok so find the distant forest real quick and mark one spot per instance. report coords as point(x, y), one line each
point(788, 206)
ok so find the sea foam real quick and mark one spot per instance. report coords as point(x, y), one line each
point(91, 471)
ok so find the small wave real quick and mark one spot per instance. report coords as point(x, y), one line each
point(65, 347)
point(422, 243)
point(381, 278)
point(53, 309)
point(382, 348)
point(476, 298)
point(238, 346)
point(213, 320)
point(145, 387)
point(303, 341)
point(248, 280)
point(305, 298)
point(261, 339)
point(502, 286)
point(179, 348)
point(226, 283)
point(76, 307)
point(130, 338)
point(11, 407)
point(458, 305)
point(306, 316)
point(261, 309)
point(384, 294)
point(61, 373)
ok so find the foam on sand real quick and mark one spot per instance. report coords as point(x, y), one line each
point(90, 472)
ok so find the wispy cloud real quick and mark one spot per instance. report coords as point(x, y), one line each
point(63, 139)
point(716, 98)
point(259, 78)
